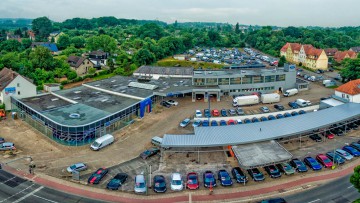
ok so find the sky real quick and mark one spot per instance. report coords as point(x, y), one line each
point(326, 13)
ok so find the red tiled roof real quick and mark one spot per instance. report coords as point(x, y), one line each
point(351, 88)
point(307, 47)
point(314, 52)
point(295, 47)
point(6, 76)
point(341, 55)
point(331, 51)
point(284, 48)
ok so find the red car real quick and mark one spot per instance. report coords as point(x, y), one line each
point(97, 175)
point(231, 122)
point(329, 135)
point(192, 181)
point(215, 112)
point(324, 160)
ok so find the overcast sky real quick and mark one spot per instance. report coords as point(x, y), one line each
point(332, 13)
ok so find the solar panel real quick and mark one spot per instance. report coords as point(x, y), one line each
point(142, 85)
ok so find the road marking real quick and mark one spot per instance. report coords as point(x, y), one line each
point(44, 199)
point(17, 193)
point(314, 201)
point(350, 187)
point(29, 194)
point(8, 180)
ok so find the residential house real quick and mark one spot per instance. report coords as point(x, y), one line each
point(303, 53)
point(181, 57)
point(80, 64)
point(349, 91)
point(292, 52)
point(55, 35)
point(316, 59)
point(283, 50)
point(31, 35)
point(51, 46)
point(98, 58)
point(13, 84)
point(341, 55)
point(13, 37)
point(356, 49)
point(331, 52)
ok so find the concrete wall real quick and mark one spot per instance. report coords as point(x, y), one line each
point(351, 98)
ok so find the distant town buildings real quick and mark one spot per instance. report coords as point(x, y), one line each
point(55, 35)
point(341, 55)
point(80, 65)
point(355, 49)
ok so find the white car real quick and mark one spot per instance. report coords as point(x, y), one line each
point(140, 184)
point(176, 182)
point(172, 102)
point(198, 114)
point(308, 102)
point(344, 154)
point(185, 122)
point(196, 123)
point(76, 167)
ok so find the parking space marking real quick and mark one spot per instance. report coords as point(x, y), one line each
point(8, 180)
point(314, 201)
point(17, 193)
point(350, 187)
point(29, 194)
point(44, 199)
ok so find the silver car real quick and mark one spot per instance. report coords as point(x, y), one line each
point(265, 109)
point(76, 167)
point(7, 146)
point(140, 184)
point(344, 154)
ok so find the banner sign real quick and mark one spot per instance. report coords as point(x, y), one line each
point(10, 90)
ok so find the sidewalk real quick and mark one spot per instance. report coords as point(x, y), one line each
point(95, 193)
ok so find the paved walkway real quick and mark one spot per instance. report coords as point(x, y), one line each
point(176, 197)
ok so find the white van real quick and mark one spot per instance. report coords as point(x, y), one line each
point(290, 92)
point(301, 102)
point(102, 142)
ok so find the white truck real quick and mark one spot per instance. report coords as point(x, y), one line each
point(102, 142)
point(290, 92)
point(301, 102)
point(245, 100)
point(270, 98)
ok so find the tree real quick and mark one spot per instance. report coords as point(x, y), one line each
point(78, 42)
point(42, 27)
point(104, 42)
point(41, 58)
point(355, 178)
point(26, 43)
point(176, 23)
point(18, 32)
point(143, 57)
point(351, 69)
point(64, 41)
point(151, 30)
point(282, 61)
point(237, 28)
point(11, 45)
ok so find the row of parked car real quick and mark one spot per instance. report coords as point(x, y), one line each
point(216, 113)
point(336, 129)
point(6, 146)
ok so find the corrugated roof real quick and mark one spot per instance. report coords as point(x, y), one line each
point(262, 131)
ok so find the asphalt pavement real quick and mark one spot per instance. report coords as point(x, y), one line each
point(337, 191)
point(15, 189)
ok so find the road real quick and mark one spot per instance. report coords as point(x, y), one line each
point(338, 191)
point(15, 189)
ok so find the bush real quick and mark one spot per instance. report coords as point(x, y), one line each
point(65, 82)
point(2, 106)
point(40, 87)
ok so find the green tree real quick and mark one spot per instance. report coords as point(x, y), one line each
point(18, 32)
point(11, 45)
point(41, 58)
point(92, 71)
point(103, 42)
point(151, 30)
point(282, 61)
point(355, 178)
point(78, 41)
point(351, 69)
point(42, 27)
point(26, 43)
point(64, 41)
point(10, 60)
point(237, 28)
point(143, 57)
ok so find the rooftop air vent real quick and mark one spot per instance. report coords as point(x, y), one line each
point(77, 92)
point(76, 98)
point(50, 107)
point(104, 100)
point(113, 81)
point(97, 85)
point(54, 99)
point(74, 116)
point(115, 85)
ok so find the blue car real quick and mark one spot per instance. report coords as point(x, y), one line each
point(239, 175)
point(298, 165)
point(223, 123)
point(255, 120)
point(312, 163)
point(302, 112)
point(286, 115)
point(256, 175)
point(205, 123)
point(335, 158)
point(214, 123)
point(271, 117)
point(351, 150)
point(207, 113)
point(224, 178)
point(279, 116)
point(223, 113)
point(293, 105)
point(355, 145)
point(246, 121)
point(209, 179)
point(117, 181)
point(294, 113)
point(263, 118)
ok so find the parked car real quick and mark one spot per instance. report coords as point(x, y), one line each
point(344, 154)
point(77, 167)
point(246, 121)
point(355, 145)
point(185, 122)
point(159, 183)
point(149, 152)
point(337, 132)
point(192, 182)
point(240, 111)
point(2, 140)
point(5, 146)
point(265, 109)
point(223, 113)
point(165, 104)
point(293, 105)
point(335, 158)
point(312, 163)
point(274, 200)
point(196, 123)
point(117, 181)
point(140, 184)
point(96, 177)
point(279, 107)
point(286, 115)
point(176, 182)
point(302, 112)
point(214, 123)
point(264, 118)
point(223, 123)
point(215, 113)
point(279, 116)
point(315, 137)
point(209, 179)
point(239, 175)
point(238, 121)
point(231, 122)
point(254, 120)
point(328, 135)
point(224, 178)
point(273, 171)
point(294, 113)
point(232, 112)
point(298, 165)
point(198, 114)
point(351, 150)
point(256, 175)
point(286, 168)
point(172, 102)
point(207, 113)
point(205, 123)
point(352, 126)
point(271, 117)
point(324, 160)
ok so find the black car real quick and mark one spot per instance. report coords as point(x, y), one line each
point(273, 171)
point(315, 137)
point(264, 118)
point(287, 114)
point(256, 175)
point(271, 117)
point(239, 175)
point(255, 120)
point(279, 107)
point(337, 132)
point(274, 200)
point(2, 140)
point(165, 104)
point(159, 183)
point(352, 126)
point(294, 113)
point(298, 165)
point(117, 181)
point(302, 112)
point(96, 177)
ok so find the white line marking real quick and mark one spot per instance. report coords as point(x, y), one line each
point(44, 199)
point(350, 187)
point(17, 193)
point(314, 201)
point(28, 195)
point(8, 180)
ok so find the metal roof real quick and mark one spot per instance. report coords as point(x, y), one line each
point(262, 131)
point(142, 85)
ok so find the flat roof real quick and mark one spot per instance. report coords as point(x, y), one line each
point(237, 72)
point(184, 71)
point(97, 99)
point(45, 102)
point(263, 131)
point(261, 154)
point(332, 102)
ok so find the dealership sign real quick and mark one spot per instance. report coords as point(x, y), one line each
point(10, 90)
